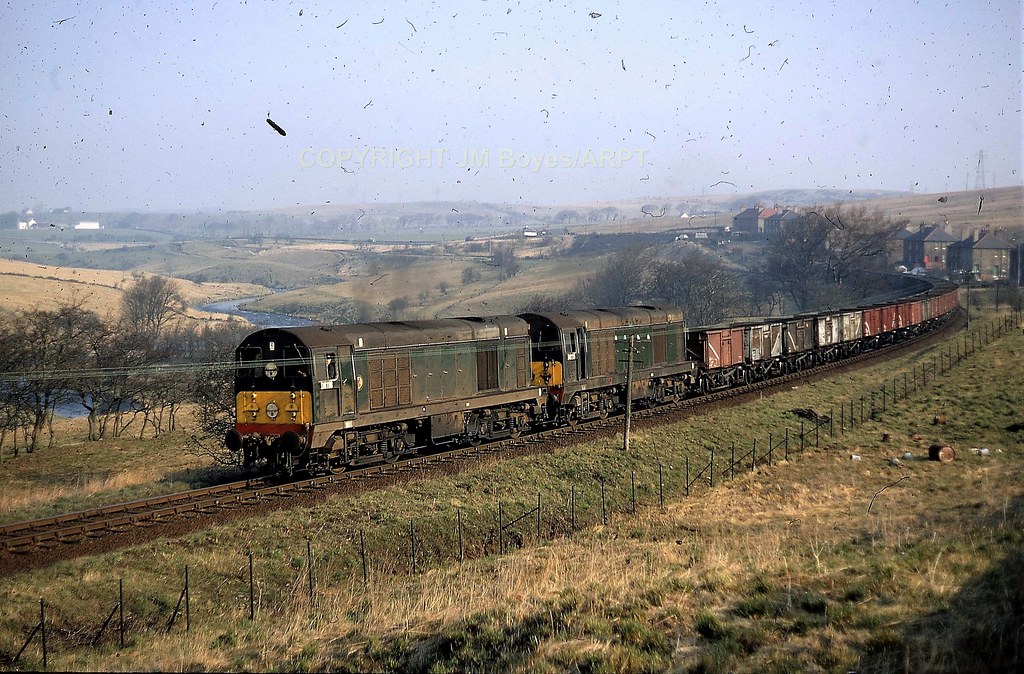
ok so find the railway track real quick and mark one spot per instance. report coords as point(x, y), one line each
point(34, 539)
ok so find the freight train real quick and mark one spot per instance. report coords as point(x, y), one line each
point(323, 398)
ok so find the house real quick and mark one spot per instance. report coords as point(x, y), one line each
point(767, 221)
point(928, 248)
point(985, 257)
point(776, 221)
point(1017, 266)
point(895, 250)
point(748, 221)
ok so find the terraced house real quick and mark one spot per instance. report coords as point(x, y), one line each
point(984, 256)
point(928, 247)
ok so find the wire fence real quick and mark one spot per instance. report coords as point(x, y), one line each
point(375, 556)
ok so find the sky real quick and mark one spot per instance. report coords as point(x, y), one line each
point(164, 106)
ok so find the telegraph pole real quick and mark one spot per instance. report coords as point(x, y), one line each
point(969, 301)
point(629, 396)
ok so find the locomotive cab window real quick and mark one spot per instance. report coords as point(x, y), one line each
point(296, 363)
point(327, 370)
point(571, 346)
point(248, 362)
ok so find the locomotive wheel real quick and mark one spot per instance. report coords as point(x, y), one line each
point(394, 449)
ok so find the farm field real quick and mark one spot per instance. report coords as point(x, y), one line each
point(819, 563)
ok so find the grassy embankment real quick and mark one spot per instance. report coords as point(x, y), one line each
point(820, 563)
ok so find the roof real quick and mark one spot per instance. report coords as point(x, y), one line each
point(986, 241)
point(768, 212)
point(933, 234)
point(610, 318)
point(407, 333)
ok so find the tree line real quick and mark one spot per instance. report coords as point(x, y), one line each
point(831, 256)
point(130, 371)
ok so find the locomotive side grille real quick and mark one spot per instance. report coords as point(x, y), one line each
point(390, 382)
point(487, 368)
point(602, 353)
point(660, 350)
point(523, 374)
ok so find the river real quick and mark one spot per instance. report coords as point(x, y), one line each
point(259, 318)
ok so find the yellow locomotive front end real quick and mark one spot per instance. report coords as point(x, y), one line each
point(274, 405)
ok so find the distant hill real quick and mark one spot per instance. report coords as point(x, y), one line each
point(1001, 209)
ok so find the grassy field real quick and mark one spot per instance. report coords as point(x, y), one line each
point(821, 563)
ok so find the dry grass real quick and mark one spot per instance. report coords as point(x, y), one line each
point(35, 286)
point(783, 569)
point(85, 486)
point(75, 473)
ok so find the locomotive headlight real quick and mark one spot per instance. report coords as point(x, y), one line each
point(272, 410)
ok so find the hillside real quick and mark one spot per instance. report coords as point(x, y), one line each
point(31, 286)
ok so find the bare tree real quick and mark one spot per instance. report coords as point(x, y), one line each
point(398, 305)
point(764, 295)
point(504, 258)
point(705, 288)
point(823, 257)
point(47, 347)
point(796, 260)
point(150, 303)
point(14, 389)
point(623, 279)
point(211, 388)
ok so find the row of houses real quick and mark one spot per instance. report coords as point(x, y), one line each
point(981, 254)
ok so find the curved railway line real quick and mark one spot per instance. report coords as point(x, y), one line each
point(35, 543)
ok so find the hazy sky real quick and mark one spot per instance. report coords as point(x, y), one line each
point(163, 105)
